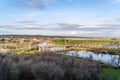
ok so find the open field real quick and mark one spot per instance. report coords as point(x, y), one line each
point(86, 41)
point(73, 42)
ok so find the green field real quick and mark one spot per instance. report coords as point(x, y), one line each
point(25, 52)
point(73, 42)
point(110, 74)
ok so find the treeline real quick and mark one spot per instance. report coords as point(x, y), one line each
point(47, 66)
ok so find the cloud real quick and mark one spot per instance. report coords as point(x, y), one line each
point(41, 4)
point(26, 22)
point(35, 4)
point(110, 20)
point(115, 1)
point(78, 27)
point(32, 4)
point(38, 3)
point(34, 25)
point(83, 32)
point(66, 26)
point(22, 26)
point(100, 29)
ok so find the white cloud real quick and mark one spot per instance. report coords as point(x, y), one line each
point(107, 28)
point(38, 4)
point(116, 0)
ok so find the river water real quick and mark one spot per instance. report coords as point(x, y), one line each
point(105, 58)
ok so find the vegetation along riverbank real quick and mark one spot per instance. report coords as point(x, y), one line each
point(110, 46)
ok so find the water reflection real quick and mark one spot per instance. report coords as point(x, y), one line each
point(105, 58)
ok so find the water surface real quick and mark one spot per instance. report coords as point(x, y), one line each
point(105, 58)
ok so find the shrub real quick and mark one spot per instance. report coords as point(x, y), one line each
point(47, 71)
point(47, 66)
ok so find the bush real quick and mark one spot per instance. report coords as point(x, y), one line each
point(47, 71)
point(47, 66)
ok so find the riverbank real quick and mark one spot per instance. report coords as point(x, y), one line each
point(97, 50)
point(106, 46)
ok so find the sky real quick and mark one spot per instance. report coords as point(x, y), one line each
point(83, 18)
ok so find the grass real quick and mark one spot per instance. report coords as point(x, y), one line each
point(25, 52)
point(110, 74)
point(73, 42)
point(16, 51)
point(31, 51)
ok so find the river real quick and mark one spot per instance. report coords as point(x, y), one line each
point(113, 60)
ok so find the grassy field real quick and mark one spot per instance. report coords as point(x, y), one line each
point(25, 52)
point(110, 74)
point(73, 42)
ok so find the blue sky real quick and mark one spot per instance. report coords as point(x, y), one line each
point(85, 18)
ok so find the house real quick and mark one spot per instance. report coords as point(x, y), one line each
point(42, 46)
point(39, 46)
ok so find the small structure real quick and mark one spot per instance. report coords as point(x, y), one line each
point(42, 46)
point(39, 46)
